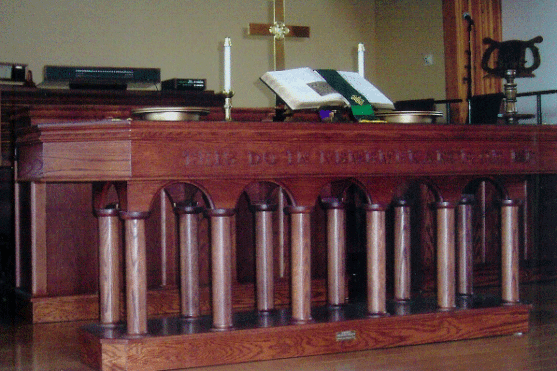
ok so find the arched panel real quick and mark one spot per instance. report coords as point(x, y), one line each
point(106, 195)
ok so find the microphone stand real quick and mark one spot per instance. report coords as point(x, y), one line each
point(468, 77)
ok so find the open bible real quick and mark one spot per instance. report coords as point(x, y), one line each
point(304, 88)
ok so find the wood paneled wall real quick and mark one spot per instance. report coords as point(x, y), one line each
point(487, 23)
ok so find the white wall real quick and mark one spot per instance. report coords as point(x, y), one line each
point(406, 31)
point(524, 20)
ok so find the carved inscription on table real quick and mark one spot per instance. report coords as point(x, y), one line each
point(357, 157)
point(209, 159)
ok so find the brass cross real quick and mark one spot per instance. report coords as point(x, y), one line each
point(279, 30)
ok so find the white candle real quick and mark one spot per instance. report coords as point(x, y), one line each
point(361, 50)
point(227, 68)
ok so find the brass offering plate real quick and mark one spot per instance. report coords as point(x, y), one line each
point(169, 113)
point(409, 117)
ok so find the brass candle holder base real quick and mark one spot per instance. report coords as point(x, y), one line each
point(510, 113)
point(228, 104)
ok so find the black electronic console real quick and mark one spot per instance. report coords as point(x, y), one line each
point(184, 84)
point(13, 73)
point(102, 78)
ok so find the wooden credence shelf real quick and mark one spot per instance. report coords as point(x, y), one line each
point(312, 163)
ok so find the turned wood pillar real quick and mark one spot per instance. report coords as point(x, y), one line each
point(280, 233)
point(402, 255)
point(509, 251)
point(464, 248)
point(17, 227)
point(109, 267)
point(264, 269)
point(446, 298)
point(39, 271)
point(221, 267)
point(136, 272)
point(188, 216)
point(301, 263)
point(336, 251)
point(376, 261)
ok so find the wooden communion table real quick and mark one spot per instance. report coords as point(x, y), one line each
point(129, 162)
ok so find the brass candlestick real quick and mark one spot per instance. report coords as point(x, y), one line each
point(228, 104)
point(511, 112)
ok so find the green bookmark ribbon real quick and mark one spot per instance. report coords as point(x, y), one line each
point(361, 108)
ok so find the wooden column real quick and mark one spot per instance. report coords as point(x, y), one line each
point(109, 265)
point(221, 267)
point(163, 228)
point(38, 240)
point(336, 251)
point(509, 251)
point(136, 272)
point(281, 233)
point(402, 258)
point(301, 263)
point(464, 248)
point(264, 269)
point(17, 227)
point(189, 258)
point(446, 298)
point(376, 262)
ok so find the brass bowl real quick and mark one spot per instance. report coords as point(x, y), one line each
point(410, 117)
point(169, 113)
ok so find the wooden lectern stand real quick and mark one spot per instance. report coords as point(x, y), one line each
point(205, 167)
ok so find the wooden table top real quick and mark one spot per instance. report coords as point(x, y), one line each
point(141, 150)
point(303, 156)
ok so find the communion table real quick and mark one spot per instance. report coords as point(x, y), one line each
point(129, 162)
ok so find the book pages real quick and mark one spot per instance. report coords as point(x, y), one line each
point(303, 88)
point(368, 90)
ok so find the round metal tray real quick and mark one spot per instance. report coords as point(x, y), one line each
point(169, 113)
point(410, 117)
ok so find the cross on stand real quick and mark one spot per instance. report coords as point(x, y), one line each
point(279, 30)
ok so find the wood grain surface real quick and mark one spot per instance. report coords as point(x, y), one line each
point(213, 348)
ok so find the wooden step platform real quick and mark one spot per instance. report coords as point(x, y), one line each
point(181, 343)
